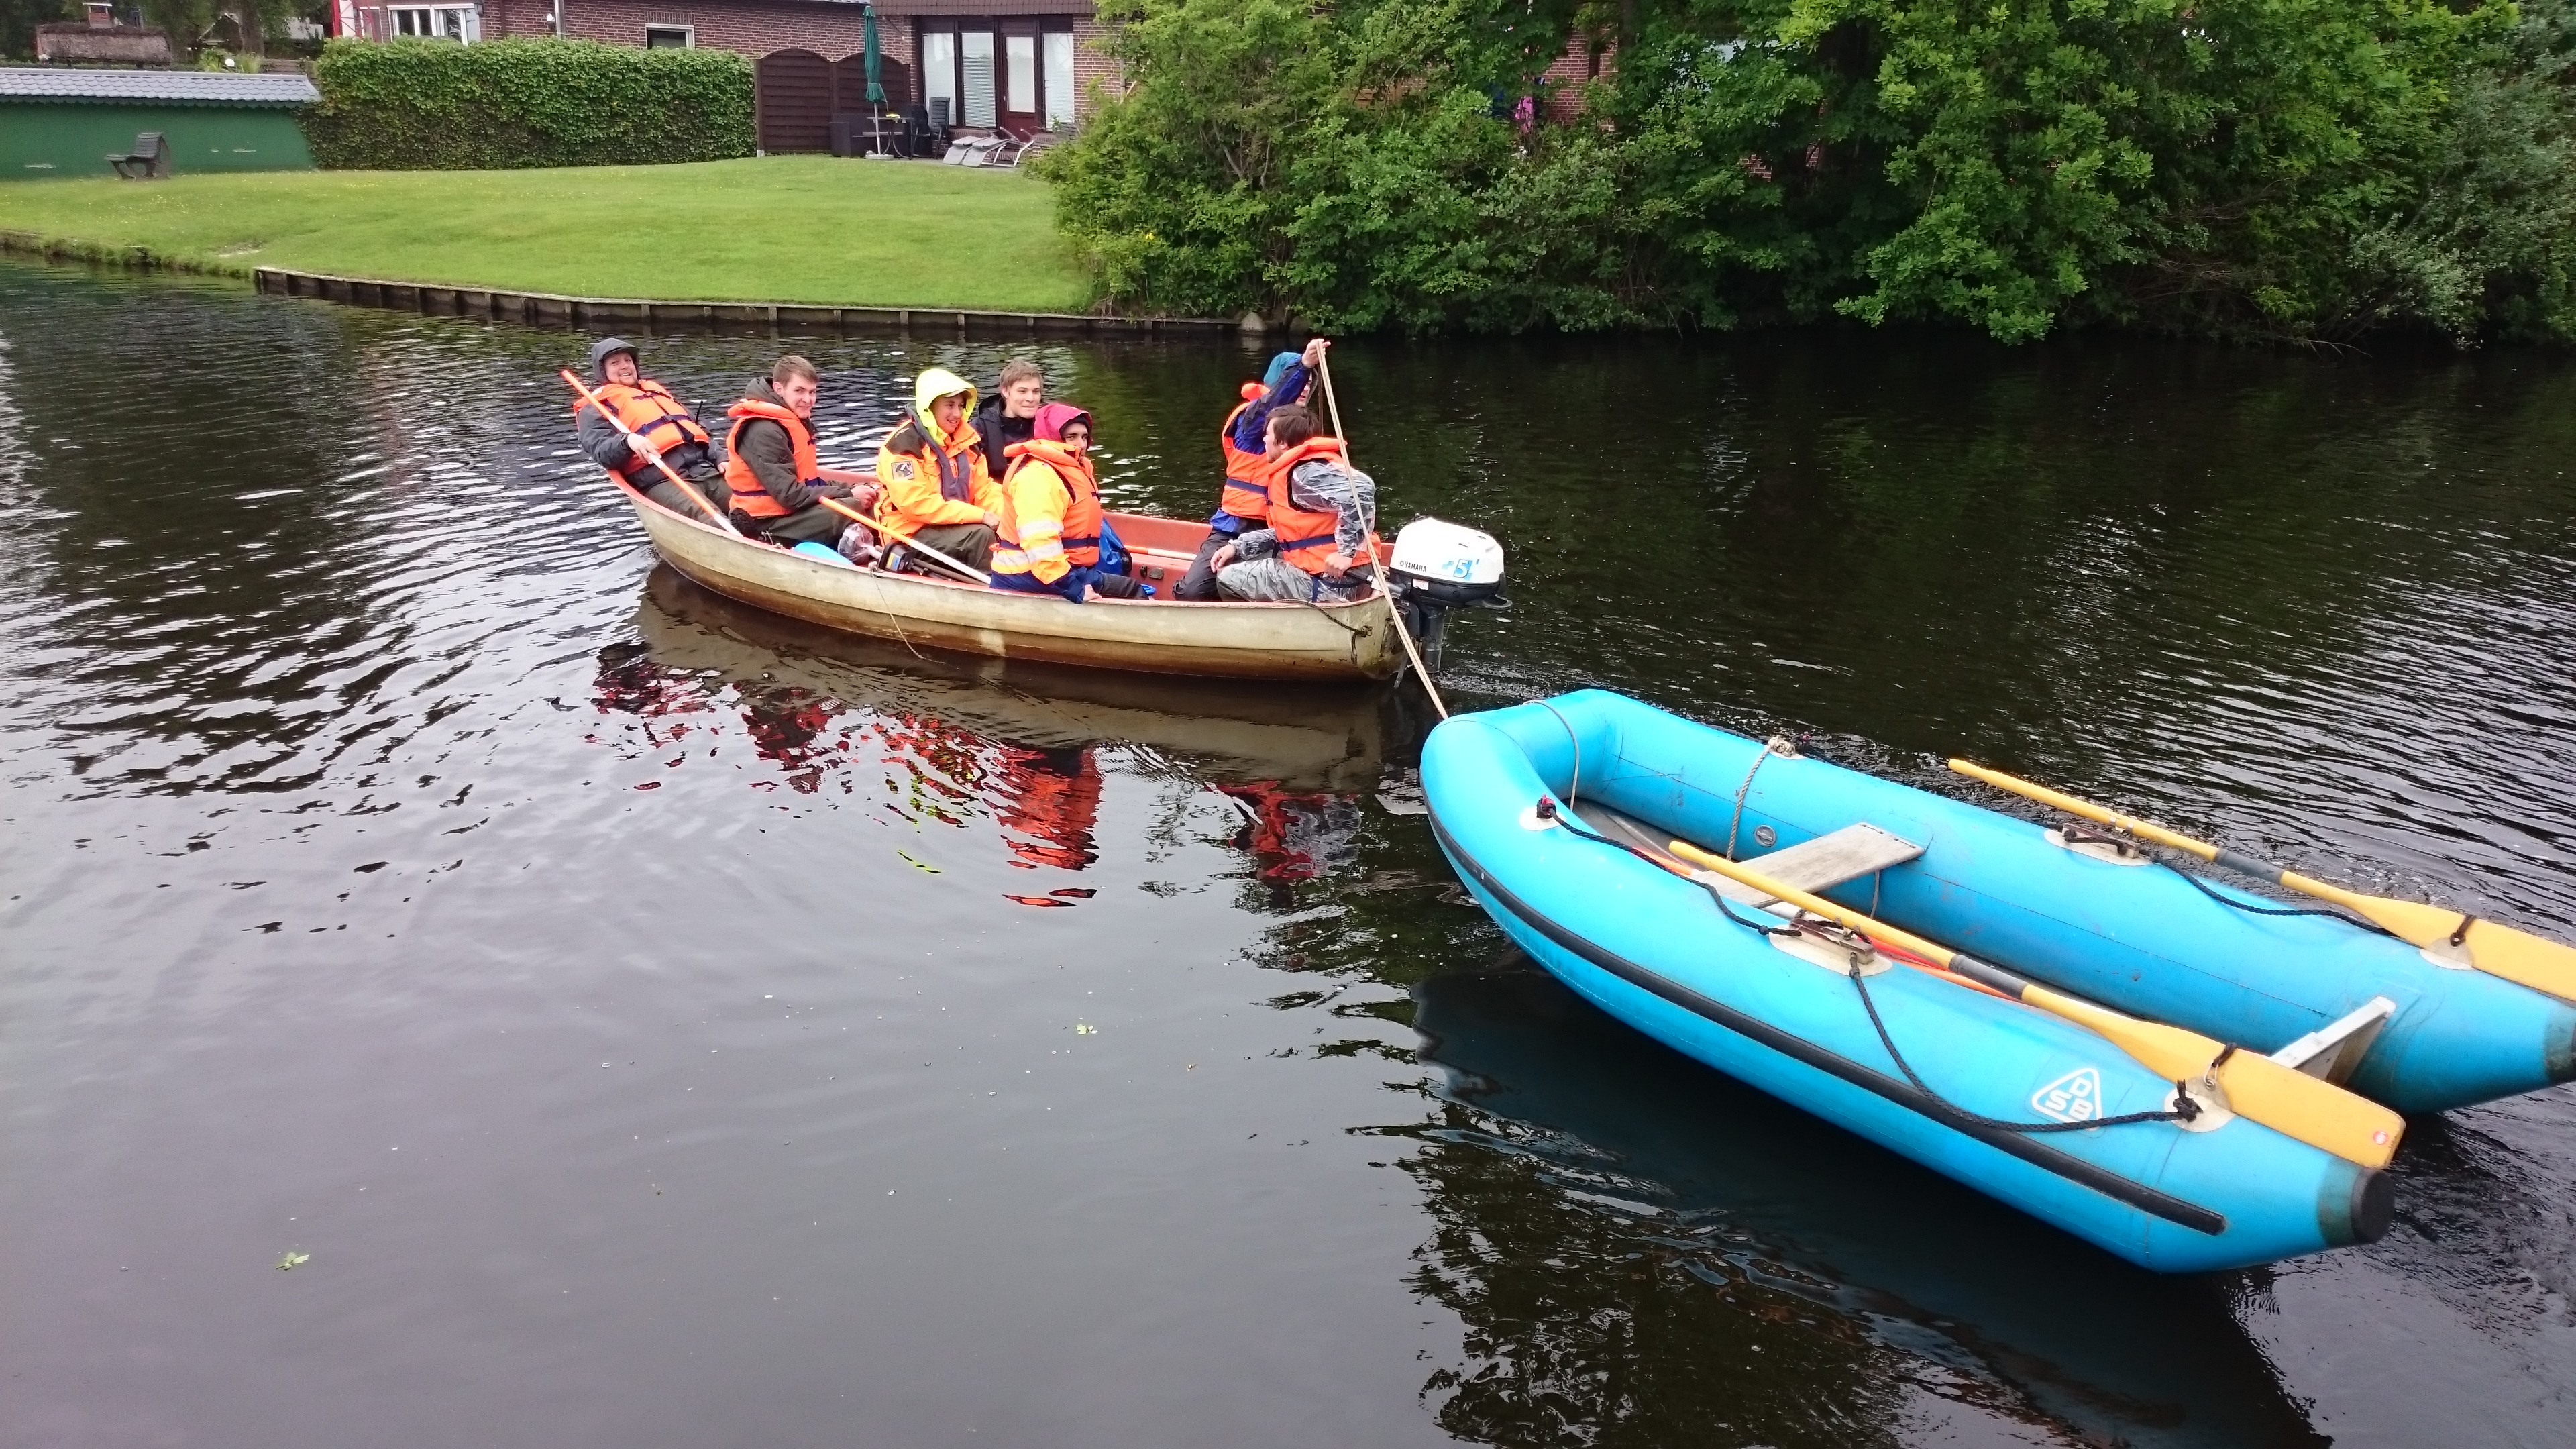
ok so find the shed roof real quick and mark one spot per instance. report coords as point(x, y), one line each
point(164, 87)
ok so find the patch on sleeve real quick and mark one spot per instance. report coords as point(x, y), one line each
point(903, 468)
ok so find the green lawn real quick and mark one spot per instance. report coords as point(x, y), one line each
point(777, 229)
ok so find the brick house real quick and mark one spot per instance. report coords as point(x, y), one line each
point(1034, 66)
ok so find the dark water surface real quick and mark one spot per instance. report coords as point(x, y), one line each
point(648, 1018)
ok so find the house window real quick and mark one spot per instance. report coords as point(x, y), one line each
point(460, 23)
point(939, 71)
point(1059, 78)
point(1021, 51)
point(975, 61)
point(670, 37)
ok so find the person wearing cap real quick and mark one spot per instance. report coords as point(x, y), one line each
point(1243, 442)
point(644, 423)
point(935, 483)
point(1049, 539)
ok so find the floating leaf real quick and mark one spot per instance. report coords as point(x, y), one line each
point(291, 1258)
point(1084, 1028)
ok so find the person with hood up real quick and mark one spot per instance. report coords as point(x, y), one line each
point(645, 422)
point(1241, 503)
point(778, 481)
point(936, 484)
point(1010, 415)
point(1320, 513)
point(1049, 539)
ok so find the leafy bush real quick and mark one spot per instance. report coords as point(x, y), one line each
point(426, 105)
point(2306, 169)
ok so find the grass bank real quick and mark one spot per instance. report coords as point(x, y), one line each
point(774, 229)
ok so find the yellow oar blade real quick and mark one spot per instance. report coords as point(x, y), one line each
point(2523, 958)
point(2284, 1099)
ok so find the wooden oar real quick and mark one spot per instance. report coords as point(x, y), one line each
point(2282, 1098)
point(2518, 956)
point(690, 489)
point(888, 531)
point(1377, 566)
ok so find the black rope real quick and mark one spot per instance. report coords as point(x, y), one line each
point(2252, 909)
point(2183, 1110)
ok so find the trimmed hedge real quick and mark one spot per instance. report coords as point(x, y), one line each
point(428, 105)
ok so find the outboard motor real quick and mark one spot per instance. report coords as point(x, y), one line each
point(1437, 567)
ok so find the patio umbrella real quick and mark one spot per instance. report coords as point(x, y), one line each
point(874, 54)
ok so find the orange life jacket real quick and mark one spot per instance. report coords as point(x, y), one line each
point(1243, 495)
point(1080, 536)
point(1305, 535)
point(748, 496)
point(647, 409)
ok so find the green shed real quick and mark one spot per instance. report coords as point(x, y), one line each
point(66, 121)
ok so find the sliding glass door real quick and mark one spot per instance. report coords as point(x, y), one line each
point(1011, 73)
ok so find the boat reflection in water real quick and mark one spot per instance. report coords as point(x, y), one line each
point(1018, 739)
point(1642, 1249)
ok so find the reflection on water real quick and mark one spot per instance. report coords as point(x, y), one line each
point(661, 1022)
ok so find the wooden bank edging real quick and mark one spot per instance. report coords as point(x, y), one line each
point(548, 309)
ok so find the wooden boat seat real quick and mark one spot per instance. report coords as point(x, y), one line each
point(1816, 865)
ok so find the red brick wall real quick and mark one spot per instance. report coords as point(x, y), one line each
point(1565, 77)
point(1095, 73)
point(753, 27)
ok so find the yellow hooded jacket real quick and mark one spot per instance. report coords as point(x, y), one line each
point(932, 479)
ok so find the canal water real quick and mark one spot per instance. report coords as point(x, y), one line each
point(465, 986)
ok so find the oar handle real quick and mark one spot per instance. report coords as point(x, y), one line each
point(686, 486)
point(2101, 816)
point(885, 530)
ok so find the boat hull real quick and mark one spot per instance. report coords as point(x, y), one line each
point(1651, 950)
point(1233, 640)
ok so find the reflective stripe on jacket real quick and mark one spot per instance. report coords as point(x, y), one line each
point(647, 410)
point(1243, 496)
point(1305, 535)
point(748, 494)
point(1050, 512)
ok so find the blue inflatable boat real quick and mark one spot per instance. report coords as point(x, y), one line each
point(1998, 1095)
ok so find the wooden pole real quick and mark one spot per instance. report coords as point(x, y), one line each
point(1378, 576)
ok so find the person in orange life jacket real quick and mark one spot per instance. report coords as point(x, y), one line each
point(1010, 415)
point(1320, 512)
point(645, 423)
point(1241, 441)
point(778, 482)
point(1053, 525)
point(1049, 541)
point(932, 469)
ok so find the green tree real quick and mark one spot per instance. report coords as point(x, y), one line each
point(2299, 169)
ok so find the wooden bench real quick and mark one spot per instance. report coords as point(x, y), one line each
point(150, 159)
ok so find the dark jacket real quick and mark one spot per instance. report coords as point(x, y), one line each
point(764, 448)
point(1248, 428)
point(605, 442)
point(999, 431)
